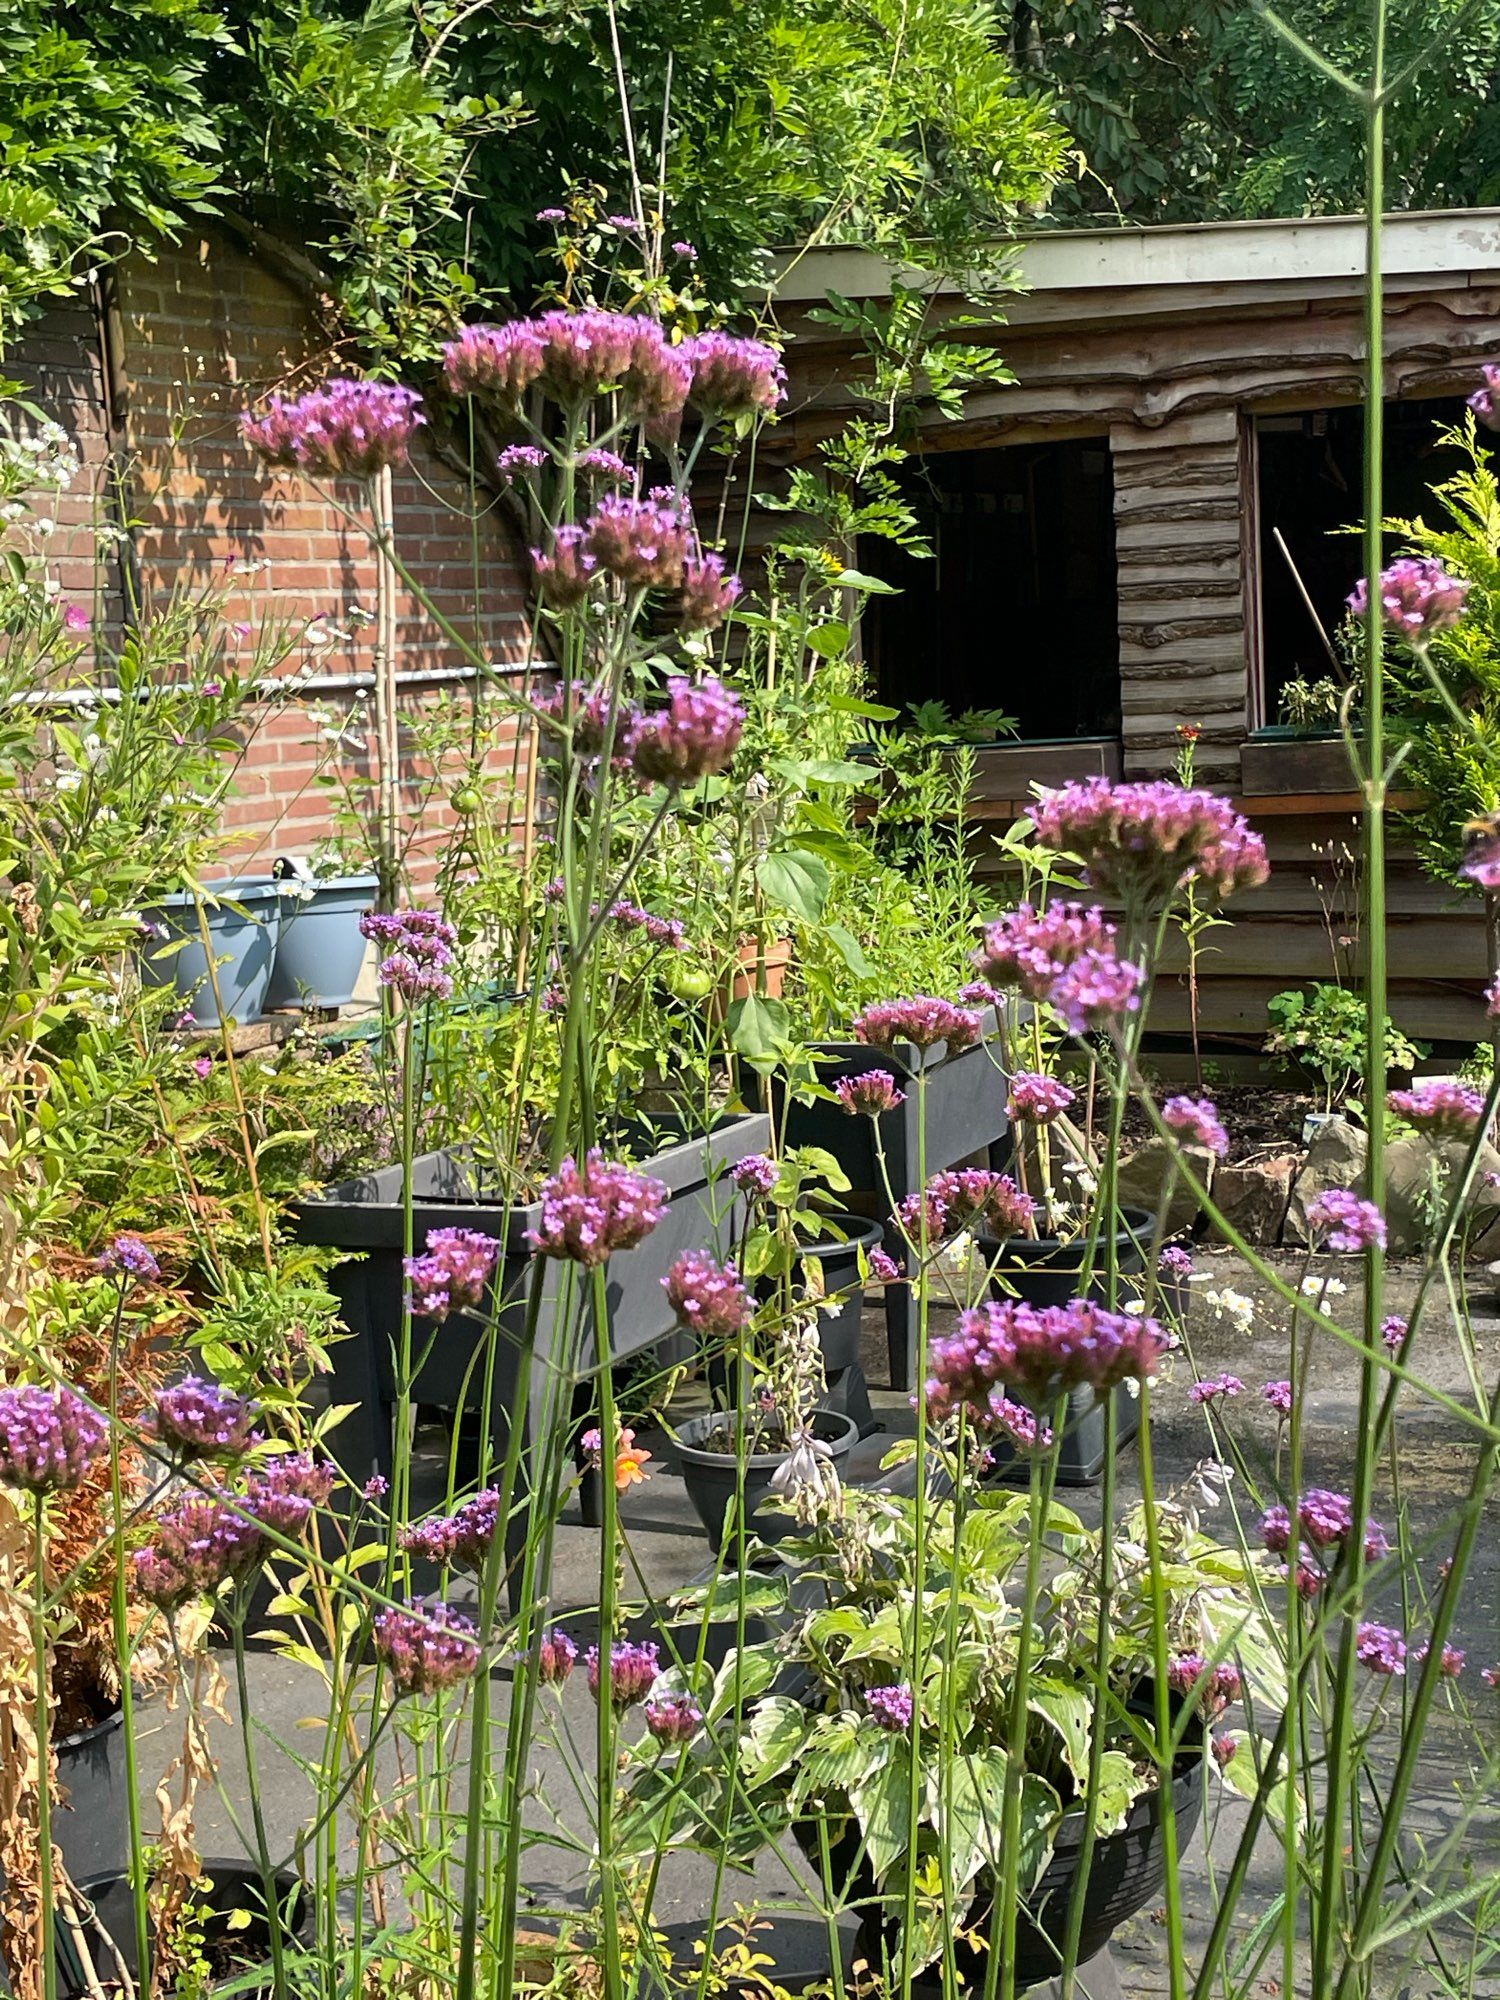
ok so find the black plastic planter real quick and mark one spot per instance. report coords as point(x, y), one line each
point(474, 1362)
point(232, 1893)
point(1045, 1271)
point(965, 1099)
point(713, 1478)
point(92, 1825)
point(839, 1331)
point(1127, 1872)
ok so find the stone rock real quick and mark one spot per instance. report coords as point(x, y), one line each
point(1335, 1159)
point(1145, 1175)
point(1253, 1197)
point(1411, 1206)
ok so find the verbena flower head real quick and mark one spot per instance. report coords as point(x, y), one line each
point(643, 543)
point(129, 1257)
point(606, 466)
point(1276, 1530)
point(283, 1497)
point(1346, 1222)
point(708, 594)
point(1013, 1420)
point(1216, 1686)
point(565, 569)
point(196, 1546)
point(464, 1537)
point(1393, 1331)
point(692, 737)
point(1417, 597)
point(497, 363)
point(1439, 1108)
point(345, 430)
point(1225, 1748)
point(556, 1656)
point(1143, 840)
point(1381, 1648)
point(923, 1021)
point(1279, 1396)
point(708, 1296)
point(669, 931)
point(869, 1094)
point(891, 1708)
point(884, 1269)
point(1196, 1120)
point(674, 1718)
point(453, 1272)
point(518, 459)
point(590, 1212)
point(1096, 991)
point(1450, 1663)
point(1028, 949)
point(1041, 1349)
point(596, 718)
point(754, 1174)
point(1037, 1099)
point(633, 1671)
point(49, 1438)
point(1216, 1389)
point(973, 1197)
point(735, 377)
point(1175, 1262)
point(198, 1419)
point(419, 947)
point(426, 1648)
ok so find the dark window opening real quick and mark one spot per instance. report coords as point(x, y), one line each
point(1016, 608)
point(1310, 488)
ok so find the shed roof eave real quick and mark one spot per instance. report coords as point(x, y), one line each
point(1322, 247)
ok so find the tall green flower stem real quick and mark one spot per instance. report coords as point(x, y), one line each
point(917, 1656)
point(1166, 1739)
point(263, 1859)
point(124, 1653)
point(606, 1733)
point(46, 1917)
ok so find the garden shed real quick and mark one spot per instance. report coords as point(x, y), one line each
point(1144, 530)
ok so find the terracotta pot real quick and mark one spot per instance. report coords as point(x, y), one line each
point(775, 959)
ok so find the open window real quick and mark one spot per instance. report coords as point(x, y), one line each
point(1309, 482)
point(1016, 609)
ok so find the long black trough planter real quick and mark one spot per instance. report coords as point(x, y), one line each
point(965, 1098)
point(461, 1357)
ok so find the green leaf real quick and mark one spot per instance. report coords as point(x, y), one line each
point(796, 880)
point(756, 1668)
point(881, 1799)
point(849, 704)
point(1070, 1711)
point(873, 586)
point(1119, 1788)
point(759, 1028)
point(828, 640)
point(776, 1733)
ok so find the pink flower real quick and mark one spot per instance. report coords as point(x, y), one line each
point(420, 946)
point(607, 466)
point(708, 595)
point(884, 1269)
point(633, 1670)
point(203, 1068)
point(452, 1274)
point(754, 1175)
point(564, 571)
point(1029, 950)
point(1175, 1262)
point(869, 1094)
point(517, 459)
point(693, 737)
point(734, 377)
point(1197, 1121)
point(1381, 1648)
point(499, 363)
point(922, 1021)
point(283, 1497)
point(1485, 401)
point(1036, 1099)
point(1043, 1349)
point(552, 215)
point(686, 252)
point(346, 430)
point(1217, 1389)
point(48, 1438)
point(707, 1296)
point(589, 1213)
point(426, 1648)
point(196, 1546)
point(1439, 1108)
point(1393, 1332)
point(556, 1656)
point(642, 542)
point(673, 1718)
point(973, 1196)
point(1346, 1222)
point(1143, 841)
point(198, 1419)
point(891, 1708)
point(1417, 597)
point(1096, 990)
point(1451, 1662)
point(76, 619)
point(1279, 1396)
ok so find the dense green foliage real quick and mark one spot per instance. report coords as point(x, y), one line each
point(1185, 110)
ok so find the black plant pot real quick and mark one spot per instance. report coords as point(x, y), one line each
point(469, 1351)
point(232, 1893)
point(92, 1824)
point(1045, 1271)
point(965, 1098)
point(1127, 1872)
point(839, 1331)
point(713, 1478)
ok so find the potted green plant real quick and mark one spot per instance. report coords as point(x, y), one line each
point(320, 949)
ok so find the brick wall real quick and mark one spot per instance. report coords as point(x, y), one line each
point(186, 343)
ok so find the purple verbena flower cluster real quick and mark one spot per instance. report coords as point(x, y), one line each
point(346, 430)
point(517, 459)
point(642, 543)
point(869, 1094)
point(1381, 1648)
point(606, 466)
point(1279, 1396)
point(589, 1213)
point(1417, 597)
point(1450, 1661)
point(973, 1197)
point(1044, 1350)
point(1346, 1222)
point(1217, 1686)
point(195, 1546)
point(633, 1670)
point(283, 1496)
point(426, 1648)
point(668, 931)
point(1439, 1108)
point(1143, 840)
point(1028, 949)
point(708, 594)
point(674, 1718)
point(419, 946)
point(922, 1020)
point(891, 1708)
point(49, 1438)
point(129, 1257)
point(1175, 1262)
point(1037, 1099)
point(452, 1273)
point(754, 1174)
point(1197, 1121)
point(735, 377)
point(693, 736)
point(556, 1657)
point(708, 1296)
point(1485, 401)
point(198, 1419)
point(1216, 1389)
point(464, 1537)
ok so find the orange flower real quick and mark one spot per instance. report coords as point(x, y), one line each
point(631, 1461)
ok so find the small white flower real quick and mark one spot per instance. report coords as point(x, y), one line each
point(1233, 1306)
point(1314, 1287)
point(1209, 1480)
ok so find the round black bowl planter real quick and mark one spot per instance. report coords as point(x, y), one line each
point(92, 1824)
point(1045, 1271)
point(1127, 1872)
point(231, 1893)
point(713, 1478)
